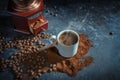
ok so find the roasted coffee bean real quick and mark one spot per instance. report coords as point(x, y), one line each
point(48, 11)
point(55, 7)
point(54, 65)
point(14, 68)
point(55, 15)
point(12, 57)
point(21, 71)
point(34, 50)
point(16, 71)
point(22, 54)
point(22, 51)
point(51, 13)
point(32, 73)
point(19, 54)
point(34, 78)
point(39, 70)
point(37, 59)
point(36, 66)
point(51, 65)
point(10, 65)
point(43, 44)
point(42, 63)
point(38, 49)
point(54, 69)
point(50, 70)
point(29, 49)
point(45, 70)
point(6, 61)
point(15, 57)
point(43, 60)
point(40, 46)
point(22, 59)
point(40, 66)
point(18, 76)
point(4, 65)
point(39, 74)
point(17, 64)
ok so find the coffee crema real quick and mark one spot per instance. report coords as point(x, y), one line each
point(68, 38)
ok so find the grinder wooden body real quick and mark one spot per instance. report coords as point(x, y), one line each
point(30, 21)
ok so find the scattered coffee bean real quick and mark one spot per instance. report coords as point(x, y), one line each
point(36, 77)
point(54, 65)
point(55, 15)
point(18, 76)
point(45, 70)
point(51, 13)
point(32, 73)
point(110, 33)
point(54, 69)
point(48, 11)
point(55, 7)
point(10, 65)
point(40, 66)
point(50, 70)
point(39, 70)
point(39, 74)
point(51, 65)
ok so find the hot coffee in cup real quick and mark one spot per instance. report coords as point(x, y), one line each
point(68, 38)
point(68, 41)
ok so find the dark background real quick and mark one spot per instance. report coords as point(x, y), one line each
point(95, 18)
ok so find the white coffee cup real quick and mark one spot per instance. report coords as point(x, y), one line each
point(67, 50)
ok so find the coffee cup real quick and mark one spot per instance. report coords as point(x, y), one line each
point(67, 42)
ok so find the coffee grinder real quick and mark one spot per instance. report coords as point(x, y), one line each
point(28, 16)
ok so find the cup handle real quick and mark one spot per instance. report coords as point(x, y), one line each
point(52, 40)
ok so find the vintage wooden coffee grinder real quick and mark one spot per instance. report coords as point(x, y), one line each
point(28, 16)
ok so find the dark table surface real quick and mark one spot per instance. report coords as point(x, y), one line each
point(99, 20)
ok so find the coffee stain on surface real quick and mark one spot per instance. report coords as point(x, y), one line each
point(72, 65)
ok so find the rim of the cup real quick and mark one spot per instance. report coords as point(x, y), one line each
point(68, 31)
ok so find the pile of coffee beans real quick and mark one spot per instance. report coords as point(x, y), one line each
point(29, 59)
point(32, 58)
